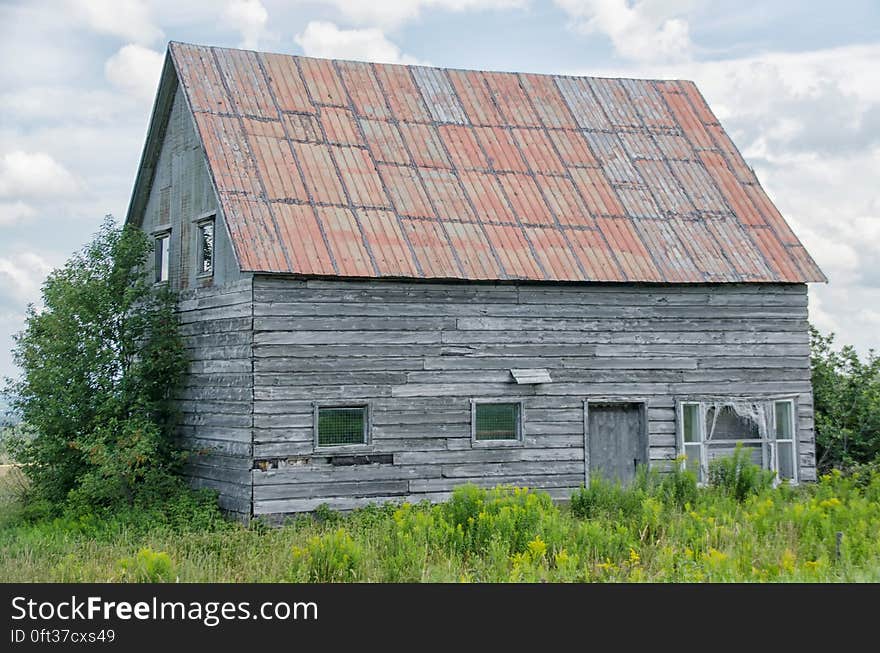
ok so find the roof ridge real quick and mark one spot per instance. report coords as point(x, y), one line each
point(433, 67)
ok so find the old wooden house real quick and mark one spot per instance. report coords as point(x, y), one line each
point(397, 279)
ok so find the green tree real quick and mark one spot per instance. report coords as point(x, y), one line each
point(100, 362)
point(846, 396)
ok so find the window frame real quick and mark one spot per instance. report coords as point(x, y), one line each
point(201, 221)
point(317, 407)
point(161, 263)
point(520, 422)
point(769, 445)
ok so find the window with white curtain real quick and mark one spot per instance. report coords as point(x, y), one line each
point(712, 428)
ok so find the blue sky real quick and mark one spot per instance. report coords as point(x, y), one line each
point(795, 83)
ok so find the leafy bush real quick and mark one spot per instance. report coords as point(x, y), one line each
point(101, 361)
point(738, 476)
point(148, 566)
point(604, 498)
point(330, 558)
point(846, 397)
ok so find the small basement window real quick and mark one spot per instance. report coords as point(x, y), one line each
point(711, 429)
point(162, 248)
point(341, 425)
point(496, 421)
point(205, 248)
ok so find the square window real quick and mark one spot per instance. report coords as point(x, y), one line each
point(341, 425)
point(205, 247)
point(497, 421)
point(162, 249)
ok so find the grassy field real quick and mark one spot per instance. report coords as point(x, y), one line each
point(666, 532)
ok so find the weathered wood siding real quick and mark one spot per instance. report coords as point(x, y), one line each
point(215, 403)
point(419, 352)
point(180, 193)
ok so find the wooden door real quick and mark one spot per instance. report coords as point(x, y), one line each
point(617, 440)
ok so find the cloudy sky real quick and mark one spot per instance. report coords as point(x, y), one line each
point(797, 84)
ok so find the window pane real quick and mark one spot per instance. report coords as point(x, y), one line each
point(784, 428)
point(692, 451)
point(728, 425)
point(162, 249)
point(691, 422)
point(206, 247)
point(497, 422)
point(785, 458)
point(341, 426)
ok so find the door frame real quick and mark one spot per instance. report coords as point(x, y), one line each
point(642, 403)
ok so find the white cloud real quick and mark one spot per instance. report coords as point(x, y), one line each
point(393, 13)
point(323, 39)
point(248, 17)
point(645, 31)
point(13, 212)
point(34, 174)
point(135, 70)
point(129, 19)
point(22, 274)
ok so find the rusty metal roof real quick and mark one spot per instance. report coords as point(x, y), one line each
point(341, 168)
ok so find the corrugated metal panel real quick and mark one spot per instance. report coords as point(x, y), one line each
point(360, 177)
point(547, 101)
point(439, 95)
point(514, 251)
point(248, 87)
point(445, 192)
point(596, 257)
point(343, 168)
point(287, 85)
point(463, 147)
point(298, 224)
point(323, 83)
point(474, 251)
point(554, 254)
point(573, 149)
point(649, 104)
point(363, 89)
point(384, 141)
point(340, 126)
point(526, 200)
point(401, 93)
point(346, 241)
point(432, 248)
point(582, 103)
point(487, 196)
point(564, 200)
point(615, 103)
point(500, 149)
point(406, 191)
point(475, 97)
point(390, 248)
point(322, 181)
point(511, 100)
point(425, 145)
point(538, 151)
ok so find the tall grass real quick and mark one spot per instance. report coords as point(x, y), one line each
point(663, 528)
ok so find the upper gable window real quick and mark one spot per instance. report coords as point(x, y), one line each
point(162, 249)
point(205, 247)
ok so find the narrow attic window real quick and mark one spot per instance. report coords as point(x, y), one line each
point(162, 248)
point(205, 248)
